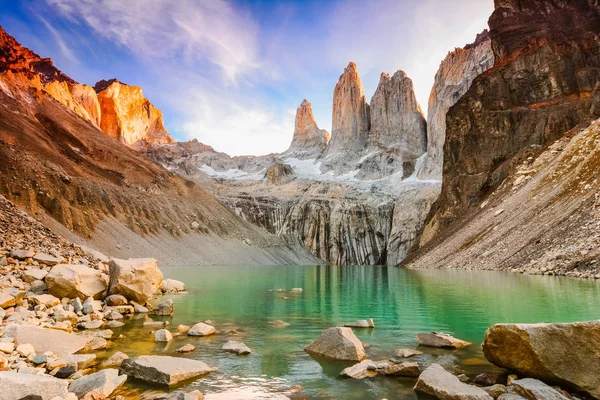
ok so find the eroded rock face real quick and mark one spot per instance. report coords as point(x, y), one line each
point(541, 86)
point(129, 117)
point(554, 353)
point(396, 118)
point(309, 141)
point(452, 80)
point(350, 124)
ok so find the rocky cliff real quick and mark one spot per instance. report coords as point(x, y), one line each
point(81, 99)
point(66, 172)
point(128, 116)
point(546, 68)
point(308, 141)
point(452, 80)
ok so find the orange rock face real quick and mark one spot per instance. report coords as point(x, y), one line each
point(129, 117)
point(81, 99)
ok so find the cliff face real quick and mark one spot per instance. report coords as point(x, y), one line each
point(452, 80)
point(350, 124)
point(129, 117)
point(81, 99)
point(308, 141)
point(543, 83)
point(396, 118)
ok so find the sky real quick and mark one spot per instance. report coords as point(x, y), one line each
point(231, 73)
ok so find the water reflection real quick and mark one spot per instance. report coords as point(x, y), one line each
point(402, 303)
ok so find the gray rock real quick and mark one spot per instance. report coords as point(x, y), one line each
point(17, 386)
point(339, 344)
point(533, 389)
point(60, 343)
point(406, 353)
point(47, 259)
point(436, 381)
point(80, 361)
point(77, 305)
point(98, 385)
point(436, 339)
point(162, 335)
point(22, 254)
point(407, 369)
point(64, 372)
point(163, 309)
point(238, 348)
point(163, 370)
point(90, 305)
point(201, 329)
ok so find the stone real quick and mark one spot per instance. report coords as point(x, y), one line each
point(98, 385)
point(511, 396)
point(238, 348)
point(47, 259)
point(91, 324)
point(202, 329)
point(406, 353)
point(55, 364)
point(138, 308)
point(436, 381)
point(361, 323)
point(339, 344)
point(31, 275)
point(435, 339)
point(279, 173)
point(80, 361)
point(407, 369)
point(136, 279)
point(308, 141)
point(64, 372)
point(17, 386)
point(66, 280)
point(485, 380)
point(496, 390)
point(182, 328)
point(164, 370)
point(104, 333)
point(542, 351)
point(536, 390)
point(163, 309)
point(162, 335)
point(172, 286)
point(77, 305)
point(155, 324)
point(115, 360)
point(361, 370)
point(279, 324)
point(187, 348)
point(22, 254)
point(25, 350)
point(7, 347)
point(90, 305)
point(115, 300)
point(46, 299)
point(6, 300)
point(94, 343)
point(115, 324)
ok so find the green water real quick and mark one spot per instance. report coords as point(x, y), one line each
point(402, 303)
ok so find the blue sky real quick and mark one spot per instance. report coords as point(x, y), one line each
point(231, 73)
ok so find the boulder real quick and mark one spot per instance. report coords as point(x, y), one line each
point(163, 309)
point(98, 385)
point(162, 335)
point(80, 361)
point(554, 353)
point(22, 254)
point(361, 323)
point(364, 369)
point(115, 300)
point(61, 343)
point(136, 279)
point(115, 360)
point(164, 370)
point(339, 344)
point(172, 286)
point(238, 348)
point(47, 259)
point(533, 389)
point(201, 329)
point(436, 339)
point(408, 369)
point(66, 280)
point(17, 386)
point(90, 305)
point(32, 275)
point(436, 381)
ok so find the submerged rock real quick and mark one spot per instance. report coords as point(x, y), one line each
point(172, 286)
point(164, 370)
point(361, 323)
point(553, 353)
point(187, 348)
point(364, 369)
point(339, 344)
point(435, 339)
point(408, 369)
point(438, 382)
point(16, 386)
point(406, 353)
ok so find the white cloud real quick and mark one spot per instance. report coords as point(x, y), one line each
point(64, 49)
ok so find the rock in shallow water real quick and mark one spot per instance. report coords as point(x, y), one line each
point(238, 348)
point(99, 385)
point(536, 390)
point(163, 370)
point(436, 339)
point(339, 344)
point(553, 353)
point(162, 335)
point(363, 369)
point(438, 382)
point(136, 279)
point(201, 329)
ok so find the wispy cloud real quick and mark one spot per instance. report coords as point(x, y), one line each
point(64, 49)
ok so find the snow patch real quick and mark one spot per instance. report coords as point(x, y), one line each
point(233, 174)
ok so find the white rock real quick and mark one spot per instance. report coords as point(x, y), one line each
point(16, 386)
point(162, 335)
point(201, 329)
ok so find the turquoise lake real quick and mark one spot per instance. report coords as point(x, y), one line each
point(401, 302)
